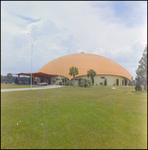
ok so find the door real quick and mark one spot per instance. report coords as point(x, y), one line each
point(123, 82)
point(49, 81)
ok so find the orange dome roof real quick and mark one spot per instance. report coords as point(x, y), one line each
point(84, 62)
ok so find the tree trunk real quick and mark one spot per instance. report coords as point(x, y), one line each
point(91, 79)
point(74, 84)
point(145, 87)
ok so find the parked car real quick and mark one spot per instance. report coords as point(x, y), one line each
point(43, 83)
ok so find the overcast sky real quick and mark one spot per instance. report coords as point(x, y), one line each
point(116, 30)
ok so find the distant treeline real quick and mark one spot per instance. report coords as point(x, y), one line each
point(13, 79)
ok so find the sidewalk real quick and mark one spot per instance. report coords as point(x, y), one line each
point(35, 88)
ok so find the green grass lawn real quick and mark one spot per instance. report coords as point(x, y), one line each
point(74, 118)
point(10, 86)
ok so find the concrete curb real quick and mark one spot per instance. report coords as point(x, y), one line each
point(23, 89)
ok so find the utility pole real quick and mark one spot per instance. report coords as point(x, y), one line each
point(31, 66)
point(59, 72)
point(64, 75)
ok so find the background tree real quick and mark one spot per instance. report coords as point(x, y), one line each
point(117, 82)
point(91, 73)
point(16, 80)
point(134, 82)
point(9, 77)
point(73, 71)
point(2, 79)
point(29, 80)
point(142, 69)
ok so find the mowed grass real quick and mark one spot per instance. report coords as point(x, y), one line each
point(11, 86)
point(74, 118)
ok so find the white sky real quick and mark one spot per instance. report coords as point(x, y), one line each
point(116, 30)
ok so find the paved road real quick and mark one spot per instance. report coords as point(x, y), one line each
point(34, 88)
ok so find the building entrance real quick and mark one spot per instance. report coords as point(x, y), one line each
point(49, 80)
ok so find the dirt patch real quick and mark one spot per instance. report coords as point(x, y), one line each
point(113, 88)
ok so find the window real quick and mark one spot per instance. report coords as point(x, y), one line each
point(102, 77)
point(76, 79)
point(57, 79)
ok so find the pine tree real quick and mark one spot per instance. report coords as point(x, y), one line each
point(117, 82)
point(105, 82)
point(142, 69)
point(138, 85)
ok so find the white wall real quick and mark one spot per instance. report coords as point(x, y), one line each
point(57, 81)
point(110, 79)
point(97, 79)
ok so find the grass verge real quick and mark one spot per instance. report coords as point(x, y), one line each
point(11, 86)
point(74, 118)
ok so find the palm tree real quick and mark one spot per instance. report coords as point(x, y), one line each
point(91, 73)
point(73, 71)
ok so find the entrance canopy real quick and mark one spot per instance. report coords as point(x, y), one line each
point(37, 74)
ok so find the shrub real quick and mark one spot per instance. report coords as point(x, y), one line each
point(84, 83)
point(21, 83)
point(117, 82)
point(114, 84)
point(60, 83)
point(138, 88)
point(105, 82)
point(81, 84)
point(101, 83)
point(79, 81)
point(89, 83)
point(67, 83)
point(64, 81)
point(6, 82)
point(71, 84)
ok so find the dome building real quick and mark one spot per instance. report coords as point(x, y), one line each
point(58, 69)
